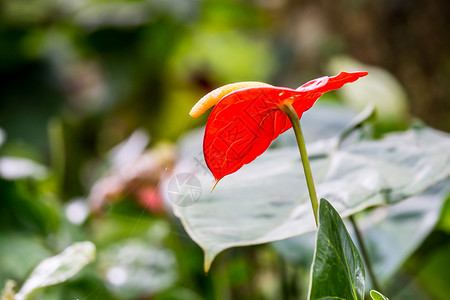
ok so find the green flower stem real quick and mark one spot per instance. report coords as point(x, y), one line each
point(293, 117)
point(363, 251)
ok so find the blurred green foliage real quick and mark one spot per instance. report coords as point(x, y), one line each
point(79, 77)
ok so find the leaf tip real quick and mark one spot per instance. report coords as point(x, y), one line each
point(208, 259)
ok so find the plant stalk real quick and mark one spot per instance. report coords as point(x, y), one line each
point(293, 117)
point(364, 254)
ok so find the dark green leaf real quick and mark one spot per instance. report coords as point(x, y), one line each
point(27, 205)
point(337, 270)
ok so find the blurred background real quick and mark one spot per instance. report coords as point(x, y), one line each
point(94, 94)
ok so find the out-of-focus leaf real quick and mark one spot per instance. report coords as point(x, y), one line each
point(123, 14)
point(28, 205)
point(26, 13)
point(377, 295)
point(58, 268)
point(392, 233)
point(16, 168)
point(337, 271)
point(267, 200)
point(380, 88)
point(19, 253)
point(118, 227)
point(129, 150)
point(216, 52)
point(76, 211)
point(298, 250)
point(444, 220)
point(435, 272)
point(2, 137)
point(406, 287)
point(113, 14)
point(128, 176)
point(135, 268)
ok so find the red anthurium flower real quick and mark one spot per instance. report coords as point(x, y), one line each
point(248, 117)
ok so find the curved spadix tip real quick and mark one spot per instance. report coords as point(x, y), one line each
point(213, 97)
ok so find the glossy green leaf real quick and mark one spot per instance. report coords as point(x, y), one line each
point(267, 200)
point(377, 295)
point(58, 268)
point(337, 271)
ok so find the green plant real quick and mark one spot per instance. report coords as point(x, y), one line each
point(228, 145)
